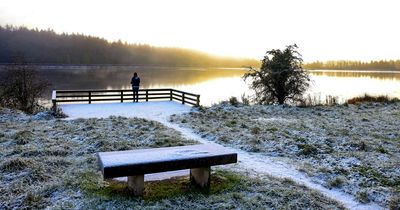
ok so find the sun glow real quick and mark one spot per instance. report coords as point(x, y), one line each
point(324, 30)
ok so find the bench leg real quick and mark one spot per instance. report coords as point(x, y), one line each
point(200, 176)
point(136, 184)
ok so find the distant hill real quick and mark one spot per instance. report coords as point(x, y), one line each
point(48, 47)
point(393, 65)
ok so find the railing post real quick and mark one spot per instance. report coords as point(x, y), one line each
point(54, 100)
point(147, 95)
point(198, 100)
point(170, 94)
point(54, 107)
point(122, 96)
point(90, 97)
point(183, 98)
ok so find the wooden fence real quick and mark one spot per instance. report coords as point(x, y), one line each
point(89, 96)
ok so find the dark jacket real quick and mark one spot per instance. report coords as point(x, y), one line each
point(135, 81)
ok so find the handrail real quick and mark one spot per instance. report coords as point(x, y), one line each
point(65, 96)
point(104, 90)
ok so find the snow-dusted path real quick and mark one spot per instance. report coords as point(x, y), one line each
point(253, 162)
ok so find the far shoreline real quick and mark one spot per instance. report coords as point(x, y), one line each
point(55, 66)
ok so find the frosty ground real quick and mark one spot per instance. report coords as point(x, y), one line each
point(351, 148)
point(51, 163)
point(62, 154)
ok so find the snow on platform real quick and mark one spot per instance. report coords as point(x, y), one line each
point(154, 110)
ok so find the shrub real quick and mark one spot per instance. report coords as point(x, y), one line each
point(233, 101)
point(281, 77)
point(21, 87)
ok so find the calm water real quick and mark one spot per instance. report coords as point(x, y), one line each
point(215, 85)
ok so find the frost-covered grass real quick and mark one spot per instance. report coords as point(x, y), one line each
point(51, 163)
point(41, 160)
point(354, 148)
point(228, 191)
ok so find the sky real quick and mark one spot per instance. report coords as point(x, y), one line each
point(323, 29)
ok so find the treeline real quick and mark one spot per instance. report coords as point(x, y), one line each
point(354, 65)
point(48, 47)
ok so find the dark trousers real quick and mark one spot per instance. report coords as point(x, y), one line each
point(135, 93)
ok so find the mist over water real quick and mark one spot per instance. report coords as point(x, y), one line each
point(215, 84)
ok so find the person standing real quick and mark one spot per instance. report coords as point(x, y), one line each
point(135, 82)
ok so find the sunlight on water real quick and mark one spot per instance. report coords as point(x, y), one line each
point(215, 85)
point(214, 90)
point(346, 85)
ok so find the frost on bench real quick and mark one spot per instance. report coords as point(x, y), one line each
point(135, 163)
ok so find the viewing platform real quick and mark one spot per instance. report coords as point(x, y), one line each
point(145, 95)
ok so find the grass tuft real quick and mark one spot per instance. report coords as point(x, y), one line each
point(233, 101)
point(362, 196)
point(307, 149)
point(394, 203)
point(382, 150)
point(23, 137)
point(255, 130)
point(336, 182)
point(15, 164)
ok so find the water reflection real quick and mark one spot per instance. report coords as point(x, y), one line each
point(111, 78)
point(382, 75)
point(346, 85)
point(215, 85)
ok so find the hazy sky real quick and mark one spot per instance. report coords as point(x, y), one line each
point(323, 29)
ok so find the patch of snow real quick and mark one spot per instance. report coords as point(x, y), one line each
point(155, 110)
point(131, 157)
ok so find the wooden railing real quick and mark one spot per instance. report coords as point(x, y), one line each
point(89, 96)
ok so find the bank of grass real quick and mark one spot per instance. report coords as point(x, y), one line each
point(354, 148)
point(52, 164)
point(366, 98)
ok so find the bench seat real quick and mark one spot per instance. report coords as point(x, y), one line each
point(135, 163)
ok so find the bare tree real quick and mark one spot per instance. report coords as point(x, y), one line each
point(21, 88)
point(281, 77)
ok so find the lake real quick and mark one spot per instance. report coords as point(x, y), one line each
point(216, 84)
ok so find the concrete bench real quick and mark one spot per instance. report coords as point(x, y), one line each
point(135, 163)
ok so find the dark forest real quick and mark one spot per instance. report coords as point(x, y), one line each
point(48, 47)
